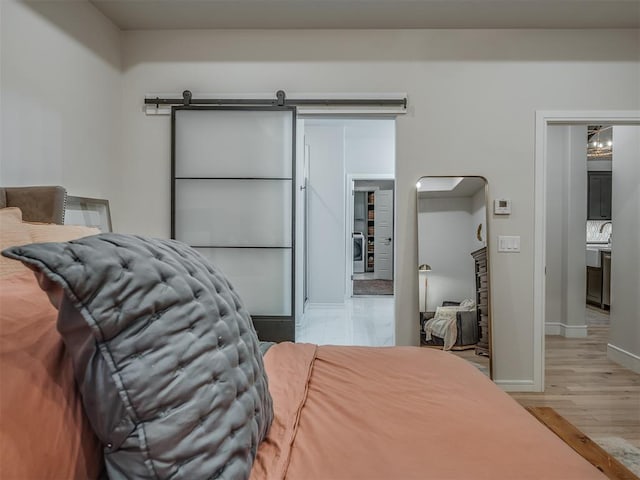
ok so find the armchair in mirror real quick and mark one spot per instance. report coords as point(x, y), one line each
point(453, 267)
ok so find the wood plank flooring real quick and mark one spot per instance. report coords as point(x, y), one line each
point(598, 396)
point(582, 444)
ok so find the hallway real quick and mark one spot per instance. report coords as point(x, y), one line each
point(364, 321)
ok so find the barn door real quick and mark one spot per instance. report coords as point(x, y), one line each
point(233, 200)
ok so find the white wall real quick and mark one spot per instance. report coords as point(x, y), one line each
point(326, 196)
point(60, 96)
point(576, 219)
point(556, 212)
point(370, 146)
point(445, 238)
point(479, 217)
point(566, 217)
point(624, 343)
point(565, 231)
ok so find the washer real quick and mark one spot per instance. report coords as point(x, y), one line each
point(358, 252)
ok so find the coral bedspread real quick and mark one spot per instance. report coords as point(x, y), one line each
point(340, 412)
point(400, 413)
point(44, 433)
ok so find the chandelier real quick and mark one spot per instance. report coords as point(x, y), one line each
point(600, 144)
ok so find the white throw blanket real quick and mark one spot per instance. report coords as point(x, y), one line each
point(444, 324)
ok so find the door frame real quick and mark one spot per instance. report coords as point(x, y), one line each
point(349, 204)
point(305, 114)
point(544, 119)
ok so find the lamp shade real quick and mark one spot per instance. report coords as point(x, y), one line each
point(424, 268)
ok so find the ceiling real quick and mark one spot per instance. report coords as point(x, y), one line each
point(467, 187)
point(369, 14)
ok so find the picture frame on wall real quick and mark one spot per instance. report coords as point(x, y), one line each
point(91, 212)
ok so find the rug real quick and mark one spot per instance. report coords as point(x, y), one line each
point(622, 450)
point(483, 368)
point(373, 287)
point(611, 463)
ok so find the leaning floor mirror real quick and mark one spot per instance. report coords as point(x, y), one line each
point(453, 267)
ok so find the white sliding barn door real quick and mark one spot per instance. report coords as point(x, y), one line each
point(233, 174)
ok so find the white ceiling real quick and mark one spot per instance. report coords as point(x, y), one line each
point(468, 187)
point(373, 14)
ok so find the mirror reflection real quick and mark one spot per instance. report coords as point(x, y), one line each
point(453, 267)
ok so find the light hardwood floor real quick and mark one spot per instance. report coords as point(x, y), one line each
point(598, 396)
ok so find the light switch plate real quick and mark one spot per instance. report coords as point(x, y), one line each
point(509, 243)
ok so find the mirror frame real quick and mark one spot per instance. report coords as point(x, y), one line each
point(487, 234)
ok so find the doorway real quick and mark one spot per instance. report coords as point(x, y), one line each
point(337, 152)
point(371, 222)
point(622, 337)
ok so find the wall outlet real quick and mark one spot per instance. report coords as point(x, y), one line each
point(509, 243)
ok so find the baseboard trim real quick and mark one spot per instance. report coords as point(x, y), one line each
point(516, 385)
point(626, 359)
point(553, 328)
point(568, 331)
point(324, 305)
point(575, 331)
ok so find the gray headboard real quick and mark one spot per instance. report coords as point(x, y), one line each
point(38, 204)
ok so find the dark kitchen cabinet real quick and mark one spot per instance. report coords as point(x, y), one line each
point(594, 286)
point(599, 194)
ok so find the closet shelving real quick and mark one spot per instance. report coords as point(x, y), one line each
point(370, 231)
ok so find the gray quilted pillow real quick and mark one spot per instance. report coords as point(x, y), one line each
point(164, 353)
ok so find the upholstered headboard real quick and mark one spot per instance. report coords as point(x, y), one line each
point(38, 204)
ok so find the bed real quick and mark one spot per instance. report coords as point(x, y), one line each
point(337, 412)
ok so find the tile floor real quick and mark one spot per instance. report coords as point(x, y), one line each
point(364, 321)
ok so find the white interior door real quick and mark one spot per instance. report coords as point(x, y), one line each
point(383, 231)
point(233, 199)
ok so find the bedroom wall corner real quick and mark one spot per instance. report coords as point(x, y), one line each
point(60, 82)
